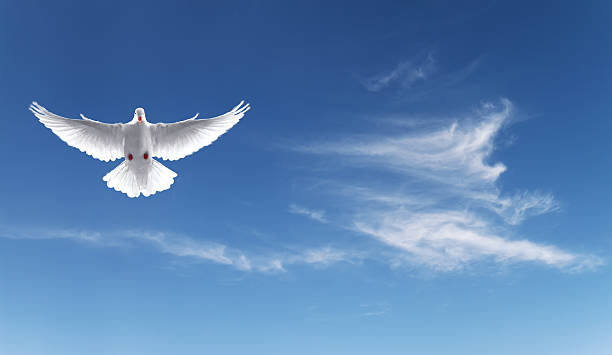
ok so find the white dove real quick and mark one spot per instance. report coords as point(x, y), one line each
point(138, 142)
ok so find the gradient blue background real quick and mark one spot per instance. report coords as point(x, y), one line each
point(299, 65)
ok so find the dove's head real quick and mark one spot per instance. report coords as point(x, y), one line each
point(139, 115)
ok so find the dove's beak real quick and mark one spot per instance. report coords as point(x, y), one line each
point(139, 119)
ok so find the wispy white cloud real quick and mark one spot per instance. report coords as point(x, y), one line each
point(517, 208)
point(456, 154)
point(442, 217)
point(191, 248)
point(317, 215)
point(187, 247)
point(449, 240)
point(416, 79)
point(378, 309)
point(404, 74)
point(324, 256)
point(443, 82)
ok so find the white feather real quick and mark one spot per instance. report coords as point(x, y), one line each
point(172, 141)
point(124, 179)
point(100, 140)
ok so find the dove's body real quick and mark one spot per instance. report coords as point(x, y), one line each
point(137, 142)
point(134, 175)
point(138, 138)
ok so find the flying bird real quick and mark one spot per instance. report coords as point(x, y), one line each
point(138, 142)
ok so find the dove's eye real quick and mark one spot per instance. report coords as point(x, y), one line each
point(130, 156)
point(146, 156)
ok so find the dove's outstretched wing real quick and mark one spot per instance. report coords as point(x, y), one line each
point(172, 141)
point(100, 140)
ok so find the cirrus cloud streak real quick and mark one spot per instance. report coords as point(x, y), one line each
point(447, 210)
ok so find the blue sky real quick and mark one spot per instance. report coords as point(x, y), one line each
point(426, 178)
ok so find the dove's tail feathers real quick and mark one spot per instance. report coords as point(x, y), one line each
point(123, 179)
point(160, 178)
point(157, 178)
